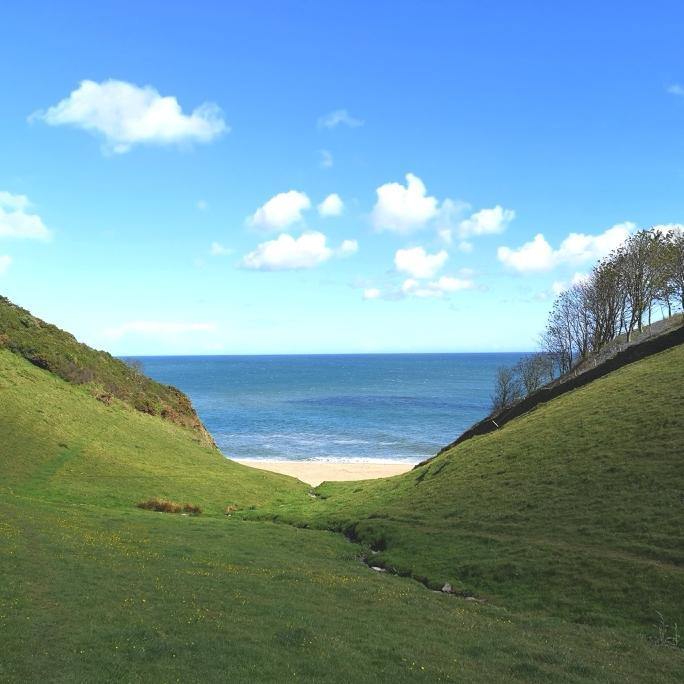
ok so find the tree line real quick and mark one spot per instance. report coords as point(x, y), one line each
point(639, 282)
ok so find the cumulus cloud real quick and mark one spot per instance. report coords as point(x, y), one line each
point(158, 328)
point(125, 115)
point(348, 247)
point(339, 117)
point(418, 263)
point(281, 211)
point(217, 249)
point(486, 222)
point(288, 253)
point(332, 205)
point(5, 262)
point(17, 220)
point(327, 160)
point(576, 248)
point(403, 209)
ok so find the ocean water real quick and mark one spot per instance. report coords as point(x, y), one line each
point(374, 407)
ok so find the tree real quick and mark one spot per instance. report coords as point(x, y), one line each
point(675, 265)
point(533, 371)
point(507, 389)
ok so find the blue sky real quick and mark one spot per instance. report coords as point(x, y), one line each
point(452, 135)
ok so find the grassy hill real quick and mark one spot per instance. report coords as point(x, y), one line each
point(567, 521)
point(573, 509)
point(107, 378)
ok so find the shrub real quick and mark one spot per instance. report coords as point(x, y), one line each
point(162, 505)
point(168, 506)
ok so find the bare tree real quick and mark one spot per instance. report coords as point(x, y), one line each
point(674, 257)
point(507, 388)
point(533, 371)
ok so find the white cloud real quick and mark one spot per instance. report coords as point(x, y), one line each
point(202, 205)
point(217, 249)
point(667, 228)
point(436, 288)
point(13, 202)
point(5, 262)
point(577, 248)
point(418, 263)
point(348, 247)
point(281, 211)
point(371, 293)
point(332, 205)
point(403, 209)
point(536, 255)
point(448, 218)
point(424, 288)
point(486, 222)
point(450, 284)
point(675, 89)
point(127, 115)
point(326, 161)
point(559, 286)
point(158, 328)
point(16, 220)
point(412, 288)
point(286, 253)
point(337, 118)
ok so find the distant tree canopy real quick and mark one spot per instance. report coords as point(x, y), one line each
point(640, 281)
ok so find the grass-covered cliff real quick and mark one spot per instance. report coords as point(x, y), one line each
point(107, 378)
point(566, 522)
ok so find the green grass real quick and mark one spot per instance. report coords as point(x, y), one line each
point(574, 509)
point(60, 444)
point(567, 521)
point(107, 378)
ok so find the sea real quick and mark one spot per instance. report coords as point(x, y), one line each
point(382, 408)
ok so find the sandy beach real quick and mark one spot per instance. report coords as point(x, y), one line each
point(315, 472)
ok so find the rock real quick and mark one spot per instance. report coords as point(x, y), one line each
point(377, 569)
point(448, 589)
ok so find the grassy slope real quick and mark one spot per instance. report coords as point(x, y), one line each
point(94, 588)
point(573, 509)
point(61, 444)
point(47, 346)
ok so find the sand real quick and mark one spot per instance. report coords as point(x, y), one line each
point(315, 472)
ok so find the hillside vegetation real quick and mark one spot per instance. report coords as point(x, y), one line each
point(565, 523)
point(107, 378)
